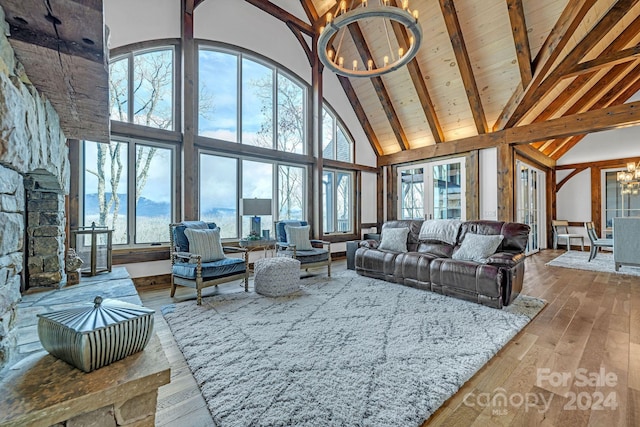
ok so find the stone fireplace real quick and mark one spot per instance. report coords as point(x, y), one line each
point(34, 177)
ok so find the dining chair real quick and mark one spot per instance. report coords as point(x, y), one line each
point(561, 231)
point(596, 242)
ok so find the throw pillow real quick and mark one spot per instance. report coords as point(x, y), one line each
point(394, 239)
point(478, 247)
point(205, 242)
point(442, 230)
point(298, 236)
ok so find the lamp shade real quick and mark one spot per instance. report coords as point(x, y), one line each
point(256, 206)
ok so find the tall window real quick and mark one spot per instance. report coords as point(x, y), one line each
point(412, 193)
point(141, 88)
point(257, 183)
point(337, 201)
point(219, 193)
point(336, 144)
point(291, 192)
point(246, 100)
point(225, 180)
point(128, 186)
point(434, 190)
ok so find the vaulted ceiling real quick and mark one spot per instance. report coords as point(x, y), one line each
point(485, 66)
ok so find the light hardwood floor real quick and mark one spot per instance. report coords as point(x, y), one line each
point(576, 361)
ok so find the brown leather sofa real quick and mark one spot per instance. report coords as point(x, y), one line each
point(428, 264)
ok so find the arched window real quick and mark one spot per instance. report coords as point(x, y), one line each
point(247, 100)
point(141, 88)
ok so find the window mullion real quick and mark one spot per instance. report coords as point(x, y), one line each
point(130, 94)
point(131, 192)
point(239, 100)
point(274, 109)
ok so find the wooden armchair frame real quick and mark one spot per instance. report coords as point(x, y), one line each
point(199, 282)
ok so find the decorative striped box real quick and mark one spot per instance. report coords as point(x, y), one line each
point(97, 334)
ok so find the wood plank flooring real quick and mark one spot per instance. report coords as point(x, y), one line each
point(576, 364)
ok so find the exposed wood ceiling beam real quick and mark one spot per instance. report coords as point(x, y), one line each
point(528, 151)
point(562, 127)
point(362, 116)
point(310, 10)
point(464, 64)
point(312, 15)
point(418, 82)
point(625, 55)
point(558, 38)
point(303, 42)
point(619, 94)
point(378, 85)
point(623, 39)
point(602, 164)
point(602, 28)
point(520, 39)
point(568, 177)
point(283, 15)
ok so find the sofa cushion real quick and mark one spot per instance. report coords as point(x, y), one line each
point(298, 236)
point(394, 239)
point(205, 243)
point(478, 247)
point(212, 269)
point(441, 230)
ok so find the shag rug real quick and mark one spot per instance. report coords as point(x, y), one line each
point(344, 351)
point(603, 262)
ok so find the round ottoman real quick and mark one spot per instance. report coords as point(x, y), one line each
point(274, 277)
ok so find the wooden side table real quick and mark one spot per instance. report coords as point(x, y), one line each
point(259, 244)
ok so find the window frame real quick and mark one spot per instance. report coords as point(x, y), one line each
point(338, 124)
point(334, 213)
point(129, 57)
point(131, 144)
point(278, 70)
point(275, 164)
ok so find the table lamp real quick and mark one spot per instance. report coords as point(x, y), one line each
point(256, 207)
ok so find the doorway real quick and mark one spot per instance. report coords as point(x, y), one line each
point(434, 190)
point(530, 204)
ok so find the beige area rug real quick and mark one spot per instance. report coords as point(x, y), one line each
point(345, 351)
point(603, 262)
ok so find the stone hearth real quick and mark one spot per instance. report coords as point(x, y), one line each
point(33, 162)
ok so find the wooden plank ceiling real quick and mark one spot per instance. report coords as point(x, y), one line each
point(62, 46)
point(485, 66)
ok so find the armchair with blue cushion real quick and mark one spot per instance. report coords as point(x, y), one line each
point(292, 240)
point(198, 258)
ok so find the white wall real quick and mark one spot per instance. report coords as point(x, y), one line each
point(573, 201)
point(134, 21)
point(607, 145)
point(488, 159)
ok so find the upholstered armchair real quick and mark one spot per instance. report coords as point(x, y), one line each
point(198, 259)
point(292, 240)
point(626, 242)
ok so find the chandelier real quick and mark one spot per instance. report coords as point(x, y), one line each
point(336, 27)
point(629, 180)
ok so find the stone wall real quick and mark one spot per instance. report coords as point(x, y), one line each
point(32, 151)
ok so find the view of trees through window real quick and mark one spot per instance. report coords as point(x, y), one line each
point(241, 99)
point(221, 191)
point(108, 187)
point(335, 143)
point(270, 100)
point(337, 201)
